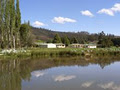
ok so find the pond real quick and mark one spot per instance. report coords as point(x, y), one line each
point(60, 74)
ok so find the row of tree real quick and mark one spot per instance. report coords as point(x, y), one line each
point(65, 40)
point(12, 33)
point(10, 22)
point(103, 40)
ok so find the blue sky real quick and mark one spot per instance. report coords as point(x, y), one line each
point(73, 15)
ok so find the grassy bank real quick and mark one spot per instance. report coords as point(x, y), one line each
point(67, 52)
point(76, 52)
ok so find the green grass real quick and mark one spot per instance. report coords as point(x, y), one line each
point(75, 52)
point(66, 52)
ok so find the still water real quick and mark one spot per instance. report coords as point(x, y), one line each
point(60, 74)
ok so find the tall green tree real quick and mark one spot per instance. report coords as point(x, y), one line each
point(66, 40)
point(18, 23)
point(7, 23)
point(57, 39)
point(24, 30)
point(2, 4)
point(12, 24)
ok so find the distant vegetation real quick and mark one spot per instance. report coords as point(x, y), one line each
point(103, 40)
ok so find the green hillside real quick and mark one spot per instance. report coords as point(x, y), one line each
point(46, 35)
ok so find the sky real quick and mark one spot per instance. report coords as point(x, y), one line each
point(73, 15)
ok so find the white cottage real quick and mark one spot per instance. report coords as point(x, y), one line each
point(83, 46)
point(77, 45)
point(91, 46)
point(60, 45)
point(46, 45)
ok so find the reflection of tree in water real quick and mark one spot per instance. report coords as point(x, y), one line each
point(42, 64)
point(12, 72)
point(48, 63)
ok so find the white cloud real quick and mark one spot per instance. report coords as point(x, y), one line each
point(87, 13)
point(116, 7)
point(38, 24)
point(38, 74)
point(106, 11)
point(110, 11)
point(63, 20)
point(64, 78)
point(87, 84)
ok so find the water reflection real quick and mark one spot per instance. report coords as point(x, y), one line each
point(12, 73)
point(87, 84)
point(57, 74)
point(110, 86)
point(64, 78)
point(38, 73)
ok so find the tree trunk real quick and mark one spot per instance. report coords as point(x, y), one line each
point(14, 46)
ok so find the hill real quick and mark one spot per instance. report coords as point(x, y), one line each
point(46, 35)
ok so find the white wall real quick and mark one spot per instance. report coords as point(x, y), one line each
point(51, 46)
point(92, 46)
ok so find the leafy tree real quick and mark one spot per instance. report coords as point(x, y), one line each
point(26, 38)
point(92, 38)
point(12, 23)
point(7, 24)
point(18, 23)
point(66, 40)
point(74, 40)
point(101, 35)
point(2, 23)
point(116, 41)
point(49, 41)
point(105, 42)
point(82, 41)
point(57, 39)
